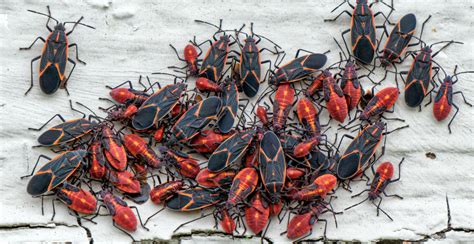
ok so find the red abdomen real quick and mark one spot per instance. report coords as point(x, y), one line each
point(441, 108)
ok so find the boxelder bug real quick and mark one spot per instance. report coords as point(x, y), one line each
point(195, 118)
point(55, 172)
point(77, 199)
point(444, 98)
point(272, 165)
point(54, 56)
point(190, 57)
point(230, 105)
point(362, 29)
point(320, 187)
point(157, 106)
point(243, 185)
point(216, 57)
point(209, 179)
point(124, 181)
point(284, 97)
point(382, 178)
point(249, 64)
point(141, 150)
point(257, 213)
point(334, 97)
point(114, 150)
point(380, 103)
point(193, 199)
point(97, 160)
point(298, 68)
point(207, 141)
point(308, 116)
point(420, 74)
point(230, 150)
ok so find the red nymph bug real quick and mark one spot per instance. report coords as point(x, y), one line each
point(184, 164)
point(124, 181)
point(190, 57)
point(207, 141)
point(114, 150)
point(316, 85)
point(54, 56)
point(230, 150)
point(443, 102)
point(334, 97)
point(272, 165)
point(382, 178)
point(141, 150)
point(77, 199)
point(318, 188)
point(97, 160)
point(308, 116)
point(284, 97)
point(122, 215)
point(243, 185)
point(209, 179)
point(55, 172)
point(162, 192)
point(362, 30)
point(257, 214)
point(380, 103)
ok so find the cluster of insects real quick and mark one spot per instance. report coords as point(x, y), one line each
point(226, 148)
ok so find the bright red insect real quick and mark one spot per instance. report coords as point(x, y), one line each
point(319, 188)
point(122, 214)
point(308, 116)
point(138, 147)
point(77, 199)
point(381, 102)
point(243, 185)
point(208, 140)
point(165, 191)
point(334, 97)
point(257, 213)
point(113, 149)
point(284, 98)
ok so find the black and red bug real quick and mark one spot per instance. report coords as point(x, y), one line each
point(382, 178)
point(230, 106)
point(299, 68)
point(157, 106)
point(195, 119)
point(230, 150)
point(362, 29)
point(97, 168)
point(114, 150)
point(193, 199)
point(55, 172)
point(257, 214)
point(54, 56)
point(207, 141)
point(380, 103)
point(335, 101)
point(249, 64)
point(272, 165)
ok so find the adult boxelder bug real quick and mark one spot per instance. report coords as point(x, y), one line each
point(443, 102)
point(55, 172)
point(54, 56)
point(362, 29)
point(357, 155)
point(257, 213)
point(308, 116)
point(230, 105)
point(249, 64)
point(216, 57)
point(334, 97)
point(272, 165)
point(230, 150)
point(298, 68)
point(195, 119)
point(382, 178)
point(141, 150)
point(67, 131)
point(193, 199)
point(157, 106)
point(420, 74)
point(243, 185)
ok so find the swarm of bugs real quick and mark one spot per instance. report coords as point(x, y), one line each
point(213, 140)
